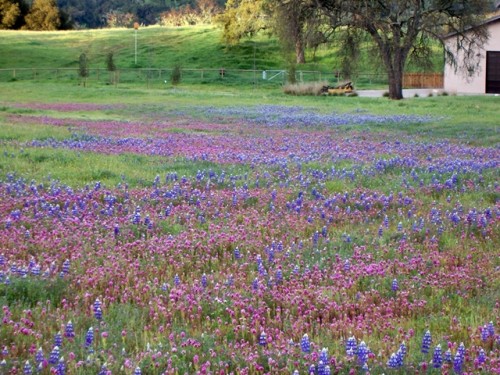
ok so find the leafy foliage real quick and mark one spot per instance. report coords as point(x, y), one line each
point(9, 12)
point(242, 18)
point(43, 15)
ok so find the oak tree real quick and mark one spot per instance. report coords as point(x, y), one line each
point(400, 28)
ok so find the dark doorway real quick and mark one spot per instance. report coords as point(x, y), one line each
point(493, 72)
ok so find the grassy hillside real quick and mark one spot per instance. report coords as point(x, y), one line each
point(160, 47)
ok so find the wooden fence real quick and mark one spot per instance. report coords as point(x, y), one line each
point(422, 80)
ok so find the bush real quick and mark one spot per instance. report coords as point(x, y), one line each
point(309, 88)
point(176, 76)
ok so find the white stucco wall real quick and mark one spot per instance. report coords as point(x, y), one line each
point(456, 82)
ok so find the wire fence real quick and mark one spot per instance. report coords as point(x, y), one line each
point(153, 77)
point(158, 78)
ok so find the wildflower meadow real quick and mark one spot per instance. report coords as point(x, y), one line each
point(246, 239)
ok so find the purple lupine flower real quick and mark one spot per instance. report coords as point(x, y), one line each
point(279, 276)
point(116, 230)
point(69, 332)
point(323, 355)
point(262, 339)
point(137, 371)
point(39, 356)
point(97, 304)
point(461, 351)
point(27, 370)
point(351, 346)
point(363, 352)
point(481, 358)
point(491, 329)
point(395, 285)
point(393, 361)
point(426, 342)
point(136, 219)
point(484, 333)
point(65, 266)
point(327, 370)
point(400, 227)
point(402, 348)
point(457, 363)
point(177, 280)
point(104, 369)
point(61, 367)
point(204, 281)
point(380, 231)
point(58, 339)
point(321, 368)
point(347, 265)
point(305, 344)
point(89, 337)
point(54, 356)
point(255, 284)
point(437, 359)
point(312, 370)
point(98, 314)
point(237, 254)
point(261, 269)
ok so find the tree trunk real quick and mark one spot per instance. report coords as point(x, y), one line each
point(299, 52)
point(394, 61)
point(395, 83)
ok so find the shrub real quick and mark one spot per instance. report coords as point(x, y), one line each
point(176, 76)
point(110, 62)
point(83, 70)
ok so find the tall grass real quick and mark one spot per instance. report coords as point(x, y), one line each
point(308, 88)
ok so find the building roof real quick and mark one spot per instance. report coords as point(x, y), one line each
point(488, 21)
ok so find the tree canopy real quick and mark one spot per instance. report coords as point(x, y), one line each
point(9, 12)
point(43, 15)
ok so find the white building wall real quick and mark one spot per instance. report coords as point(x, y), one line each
point(456, 82)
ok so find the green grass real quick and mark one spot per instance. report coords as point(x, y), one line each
point(79, 168)
point(161, 47)
point(470, 119)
